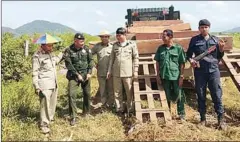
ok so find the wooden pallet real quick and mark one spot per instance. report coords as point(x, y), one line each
point(232, 62)
point(148, 89)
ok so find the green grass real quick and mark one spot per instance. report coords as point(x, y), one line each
point(236, 40)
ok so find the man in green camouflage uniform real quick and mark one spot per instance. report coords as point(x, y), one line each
point(79, 62)
point(103, 51)
point(45, 83)
point(170, 65)
point(123, 65)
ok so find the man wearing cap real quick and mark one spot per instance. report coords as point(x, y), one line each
point(45, 83)
point(123, 65)
point(103, 51)
point(79, 62)
point(171, 60)
point(208, 73)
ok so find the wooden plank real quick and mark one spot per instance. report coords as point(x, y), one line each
point(156, 23)
point(234, 75)
point(232, 60)
point(147, 92)
point(138, 106)
point(152, 110)
point(148, 84)
point(178, 34)
point(139, 116)
point(145, 69)
point(149, 29)
point(145, 62)
point(144, 76)
point(238, 63)
point(151, 46)
point(149, 57)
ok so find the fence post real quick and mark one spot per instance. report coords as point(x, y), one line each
point(26, 47)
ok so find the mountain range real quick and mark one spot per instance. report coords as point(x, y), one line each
point(39, 26)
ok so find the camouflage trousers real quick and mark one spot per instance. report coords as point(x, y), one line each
point(73, 91)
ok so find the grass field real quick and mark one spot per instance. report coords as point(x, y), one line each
point(22, 125)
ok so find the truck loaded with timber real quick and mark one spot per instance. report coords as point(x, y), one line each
point(145, 25)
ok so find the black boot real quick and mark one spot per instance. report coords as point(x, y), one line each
point(203, 121)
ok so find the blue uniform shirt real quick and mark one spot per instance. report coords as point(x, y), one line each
point(198, 45)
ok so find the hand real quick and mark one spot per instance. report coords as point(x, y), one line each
point(135, 74)
point(194, 63)
point(180, 81)
point(108, 75)
point(88, 76)
point(37, 91)
point(221, 44)
point(80, 77)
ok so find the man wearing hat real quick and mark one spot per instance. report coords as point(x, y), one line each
point(171, 60)
point(45, 83)
point(206, 71)
point(79, 62)
point(103, 51)
point(123, 65)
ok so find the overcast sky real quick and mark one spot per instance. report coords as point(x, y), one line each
point(93, 16)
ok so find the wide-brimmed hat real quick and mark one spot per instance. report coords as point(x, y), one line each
point(104, 33)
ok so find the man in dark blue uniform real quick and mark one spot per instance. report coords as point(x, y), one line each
point(206, 71)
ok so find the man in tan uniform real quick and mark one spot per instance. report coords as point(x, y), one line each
point(103, 51)
point(123, 65)
point(45, 83)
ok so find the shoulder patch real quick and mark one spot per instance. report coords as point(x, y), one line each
point(36, 54)
point(214, 38)
point(115, 43)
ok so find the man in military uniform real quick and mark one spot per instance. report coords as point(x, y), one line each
point(123, 65)
point(208, 73)
point(45, 83)
point(103, 51)
point(171, 60)
point(79, 62)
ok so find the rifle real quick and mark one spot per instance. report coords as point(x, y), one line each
point(199, 57)
point(212, 48)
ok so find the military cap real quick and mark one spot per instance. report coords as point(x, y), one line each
point(79, 36)
point(204, 22)
point(169, 32)
point(121, 30)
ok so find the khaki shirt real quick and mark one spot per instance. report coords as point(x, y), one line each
point(124, 59)
point(103, 57)
point(44, 70)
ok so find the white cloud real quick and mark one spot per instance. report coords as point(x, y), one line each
point(102, 23)
point(100, 13)
point(217, 3)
